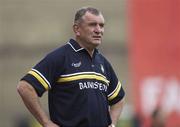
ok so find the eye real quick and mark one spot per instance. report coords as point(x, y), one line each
point(92, 24)
point(101, 25)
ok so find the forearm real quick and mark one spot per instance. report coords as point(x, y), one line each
point(115, 111)
point(31, 101)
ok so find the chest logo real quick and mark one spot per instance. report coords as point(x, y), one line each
point(102, 68)
point(76, 64)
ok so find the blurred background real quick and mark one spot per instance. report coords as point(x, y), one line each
point(141, 40)
point(29, 29)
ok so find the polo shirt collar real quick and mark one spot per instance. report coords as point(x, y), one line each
point(76, 47)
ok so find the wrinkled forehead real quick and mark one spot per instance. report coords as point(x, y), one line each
point(89, 17)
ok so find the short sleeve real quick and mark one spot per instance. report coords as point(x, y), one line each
point(115, 89)
point(42, 75)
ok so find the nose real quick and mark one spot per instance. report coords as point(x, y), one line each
point(98, 29)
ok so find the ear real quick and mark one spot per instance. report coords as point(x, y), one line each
point(76, 29)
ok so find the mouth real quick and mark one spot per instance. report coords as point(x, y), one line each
point(97, 37)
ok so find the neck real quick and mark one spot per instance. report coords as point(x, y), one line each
point(88, 48)
point(90, 52)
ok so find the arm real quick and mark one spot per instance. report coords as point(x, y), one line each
point(115, 111)
point(30, 99)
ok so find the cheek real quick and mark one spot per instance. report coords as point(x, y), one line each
point(86, 33)
point(102, 31)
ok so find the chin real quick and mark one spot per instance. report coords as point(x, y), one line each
point(96, 42)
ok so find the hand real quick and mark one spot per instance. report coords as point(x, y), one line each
point(112, 125)
point(51, 124)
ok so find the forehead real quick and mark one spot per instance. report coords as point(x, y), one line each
point(89, 17)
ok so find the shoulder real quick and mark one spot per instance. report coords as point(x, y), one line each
point(58, 52)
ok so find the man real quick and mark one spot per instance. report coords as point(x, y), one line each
point(83, 88)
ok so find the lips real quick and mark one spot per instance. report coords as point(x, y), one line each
point(97, 37)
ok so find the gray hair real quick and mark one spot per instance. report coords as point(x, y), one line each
point(82, 11)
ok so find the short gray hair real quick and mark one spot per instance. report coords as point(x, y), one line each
point(82, 11)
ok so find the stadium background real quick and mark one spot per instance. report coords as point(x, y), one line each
point(141, 40)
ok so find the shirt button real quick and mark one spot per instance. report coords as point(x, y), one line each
point(92, 65)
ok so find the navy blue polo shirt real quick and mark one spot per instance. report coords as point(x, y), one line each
point(80, 87)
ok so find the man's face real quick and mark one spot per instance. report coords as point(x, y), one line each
point(91, 29)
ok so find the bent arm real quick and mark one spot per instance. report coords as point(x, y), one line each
point(31, 100)
point(115, 111)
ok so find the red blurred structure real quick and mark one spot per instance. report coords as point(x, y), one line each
point(154, 44)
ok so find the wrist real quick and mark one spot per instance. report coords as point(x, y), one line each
point(46, 123)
